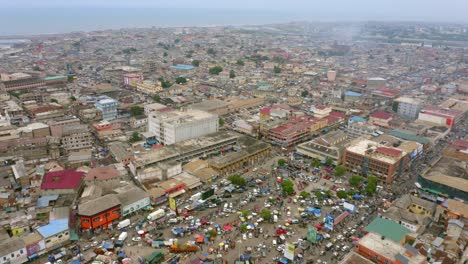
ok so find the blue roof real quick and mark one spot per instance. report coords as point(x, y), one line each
point(182, 67)
point(351, 93)
point(54, 227)
point(408, 136)
point(357, 119)
point(54, 77)
point(45, 200)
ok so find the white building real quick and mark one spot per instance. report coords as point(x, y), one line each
point(13, 251)
point(108, 107)
point(56, 233)
point(174, 126)
point(132, 199)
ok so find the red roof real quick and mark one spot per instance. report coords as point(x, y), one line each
point(389, 151)
point(331, 119)
point(337, 114)
point(265, 111)
point(64, 179)
point(102, 173)
point(381, 115)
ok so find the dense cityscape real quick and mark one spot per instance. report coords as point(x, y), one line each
point(281, 143)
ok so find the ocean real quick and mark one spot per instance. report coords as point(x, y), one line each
point(25, 21)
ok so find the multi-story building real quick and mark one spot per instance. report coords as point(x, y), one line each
point(407, 107)
point(132, 200)
point(174, 126)
point(357, 129)
point(380, 118)
point(331, 146)
point(440, 116)
point(99, 213)
point(321, 111)
point(148, 87)
point(371, 158)
point(76, 137)
point(108, 107)
point(13, 251)
point(56, 234)
point(382, 250)
point(289, 134)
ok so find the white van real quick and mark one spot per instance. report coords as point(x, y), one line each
point(275, 218)
point(274, 242)
point(123, 236)
point(123, 224)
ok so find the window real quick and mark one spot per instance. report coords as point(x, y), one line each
point(66, 233)
point(97, 219)
point(48, 241)
point(21, 251)
point(85, 220)
point(59, 236)
point(12, 255)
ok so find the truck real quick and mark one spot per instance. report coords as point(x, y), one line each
point(123, 224)
point(155, 257)
point(183, 248)
point(275, 218)
point(122, 236)
point(156, 215)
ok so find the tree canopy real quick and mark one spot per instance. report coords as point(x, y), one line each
point(181, 80)
point(304, 194)
point(215, 70)
point(165, 83)
point(221, 122)
point(157, 98)
point(277, 69)
point(195, 63)
point(265, 214)
point(339, 171)
point(232, 74)
point(341, 194)
point(316, 163)
point(304, 93)
point(288, 187)
point(371, 186)
point(237, 180)
point(281, 162)
point(135, 137)
point(136, 110)
point(355, 180)
point(240, 62)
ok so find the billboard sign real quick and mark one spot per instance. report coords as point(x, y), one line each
point(312, 234)
point(289, 251)
point(329, 222)
point(172, 204)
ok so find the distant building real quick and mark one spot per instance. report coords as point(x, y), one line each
point(440, 116)
point(376, 82)
point(407, 107)
point(108, 108)
point(331, 76)
point(99, 213)
point(381, 118)
point(331, 145)
point(175, 126)
point(357, 129)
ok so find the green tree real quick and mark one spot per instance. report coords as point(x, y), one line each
point(277, 69)
point(319, 195)
point(304, 93)
point(341, 194)
point(213, 233)
point(351, 192)
point(181, 80)
point(281, 162)
point(129, 51)
point(265, 214)
point(157, 98)
point(240, 63)
point(195, 63)
point(165, 54)
point(136, 110)
point(288, 187)
point(339, 171)
point(237, 180)
point(53, 100)
point(165, 83)
point(328, 161)
point(211, 51)
point(316, 163)
point(304, 194)
point(243, 228)
point(232, 74)
point(70, 78)
point(36, 68)
point(371, 186)
point(355, 180)
point(221, 122)
point(245, 213)
point(135, 137)
point(72, 98)
point(215, 70)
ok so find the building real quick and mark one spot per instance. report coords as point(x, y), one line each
point(331, 76)
point(367, 157)
point(107, 177)
point(213, 106)
point(108, 107)
point(411, 212)
point(35, 245)
point(357, 129)
point(321, 111)
point(354, 258)
point(13, 251)
point(172, 187)
point(380, 118)
point(251, 152)
point(99, 213)
point(382, 250)
point(149, 87)
point(75, 137)
point(331, 145)
point(407, 107)
point(206, 146)
point(56, 234)
point(376, 82)
point(121, 152)
point(297, 130)
point(131, 79)
point(174, 126)
point(440, 116)
point(133, 199)
point(62, 182)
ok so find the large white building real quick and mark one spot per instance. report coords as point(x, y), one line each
point(173, 126)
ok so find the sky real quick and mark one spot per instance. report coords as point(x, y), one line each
point(408, 10)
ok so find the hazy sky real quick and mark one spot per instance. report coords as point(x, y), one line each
point(433, 10)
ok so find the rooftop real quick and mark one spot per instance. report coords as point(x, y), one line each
point(408, 136)
point(366, 147)
point(50, 78)
point(408, 100)
point(11, 245)
point(210, 105)
point(354, 258)
point(390, 249)
point(98, 205)
point(63, 179)
point(381, 115)
point(54, 227)
point(387, 228)
point(131, 195)
point(102, 173)
point(450, 172)
point(176, 116)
